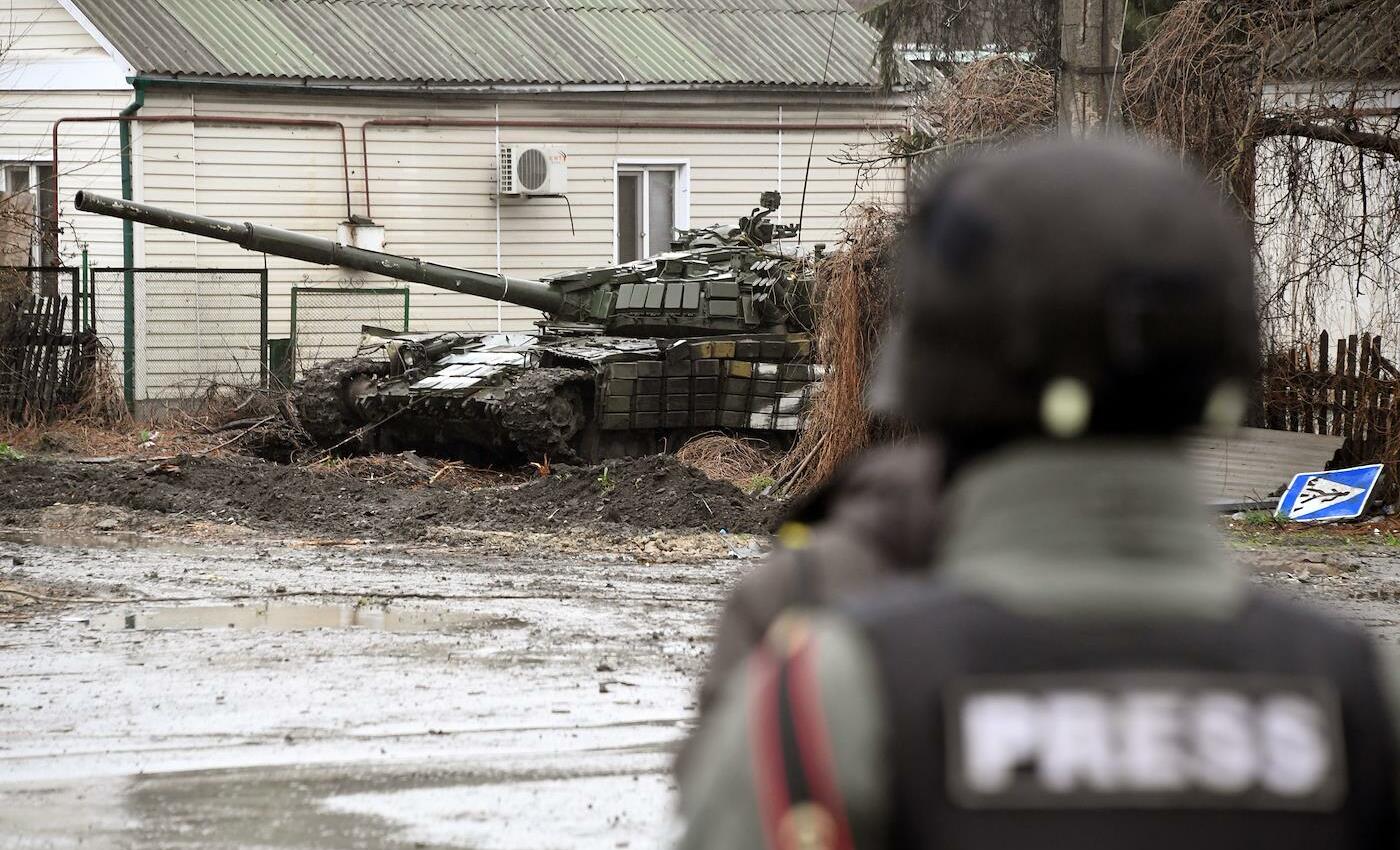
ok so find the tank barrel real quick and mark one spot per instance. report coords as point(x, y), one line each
point(285, 243)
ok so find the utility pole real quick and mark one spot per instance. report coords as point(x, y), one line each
point(1090, 37)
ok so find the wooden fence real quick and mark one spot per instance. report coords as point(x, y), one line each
point(41, 362)
point(1344, 387)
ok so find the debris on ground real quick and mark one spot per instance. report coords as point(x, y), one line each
point(409, 469)
point(23, 595)
point(92, 439)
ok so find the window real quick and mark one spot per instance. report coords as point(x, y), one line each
point(652, 202)
point(30, 215)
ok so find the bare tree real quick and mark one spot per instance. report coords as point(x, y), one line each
point(1291, 106)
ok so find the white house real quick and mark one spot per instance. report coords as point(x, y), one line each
point(1328, 212)
point(666, 113)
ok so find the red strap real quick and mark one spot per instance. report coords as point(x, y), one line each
point(815, 746)
point(767, 751)
point(786, 696)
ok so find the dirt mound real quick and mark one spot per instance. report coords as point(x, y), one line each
point(647, 493)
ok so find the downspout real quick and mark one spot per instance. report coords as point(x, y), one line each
point(129, 251)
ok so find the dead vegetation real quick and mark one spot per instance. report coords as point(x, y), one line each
point(721, 457)
point(989, 101)
point(854, 302)
point(1288, 105)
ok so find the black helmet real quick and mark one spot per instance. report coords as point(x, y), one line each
point(1071, 287)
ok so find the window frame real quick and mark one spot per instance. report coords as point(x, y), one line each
point(45, 226)
point(680, 192)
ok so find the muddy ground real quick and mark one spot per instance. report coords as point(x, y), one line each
point(283, 695)
point(644, 493)
point(234, 654)
point(216, 651)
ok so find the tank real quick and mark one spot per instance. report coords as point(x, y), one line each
point(628, 359)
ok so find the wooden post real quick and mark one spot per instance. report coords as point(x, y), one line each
point(1309, 390)
point(1323, 384)
point(1361, 425)
point(1090, 35)
point(1350, 383)
point(1339, 406)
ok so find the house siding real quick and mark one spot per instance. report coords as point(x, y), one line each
point(431, 188)
point(42, 29)
point(48, 59)
point(1345, 293)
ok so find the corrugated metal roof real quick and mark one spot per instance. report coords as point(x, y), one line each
point(1360, 41)
point(685, 42)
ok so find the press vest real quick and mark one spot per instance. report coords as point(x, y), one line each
point(1010, 731)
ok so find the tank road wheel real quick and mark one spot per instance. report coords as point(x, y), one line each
point(323, 397)
point(546, 410)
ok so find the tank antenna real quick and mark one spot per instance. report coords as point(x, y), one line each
point(817, 116)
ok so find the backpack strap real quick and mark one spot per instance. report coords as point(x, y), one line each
point(799, 800)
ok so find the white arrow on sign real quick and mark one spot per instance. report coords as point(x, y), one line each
point(1319, 493)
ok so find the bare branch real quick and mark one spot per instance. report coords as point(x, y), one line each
point(1378, 142)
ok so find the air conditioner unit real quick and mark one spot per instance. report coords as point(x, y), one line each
point(534, 170)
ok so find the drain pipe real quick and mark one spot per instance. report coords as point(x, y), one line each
point(128, 116)
point(128, 248)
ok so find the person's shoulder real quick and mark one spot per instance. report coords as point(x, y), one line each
point(768, 582)
point(907, 600)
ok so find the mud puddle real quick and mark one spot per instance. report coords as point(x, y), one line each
point(293, 617)
point(119, 540)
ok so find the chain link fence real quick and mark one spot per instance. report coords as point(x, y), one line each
point(327, 320)
point(192, 328)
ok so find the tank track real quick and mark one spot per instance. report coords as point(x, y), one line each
point(321, 405)
point(545, 410)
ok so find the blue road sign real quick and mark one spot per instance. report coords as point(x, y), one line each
point(1336, 494)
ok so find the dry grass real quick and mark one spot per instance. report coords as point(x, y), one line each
point(89, 438)
point(721, 457)
point(855, 298)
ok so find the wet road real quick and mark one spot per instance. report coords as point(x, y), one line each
point(536, 705)
point(297, 696)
